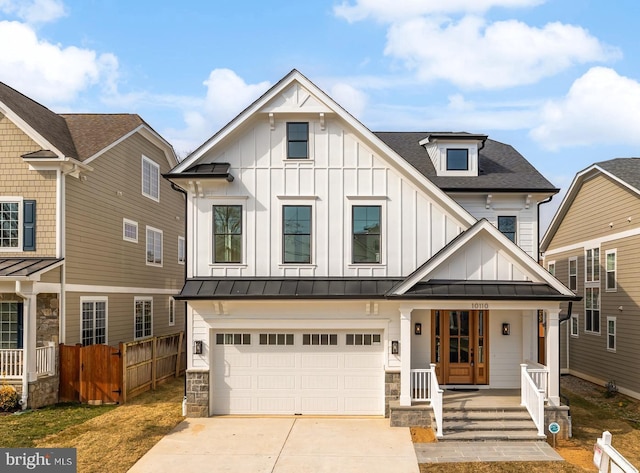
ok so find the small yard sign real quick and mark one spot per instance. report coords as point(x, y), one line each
point(554, 428)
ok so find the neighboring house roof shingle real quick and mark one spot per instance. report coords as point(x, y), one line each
point(501, 167)
point(51, 126)
point(94, 132)
point(625, 169)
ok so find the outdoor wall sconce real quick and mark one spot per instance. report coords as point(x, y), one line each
point(197, 347)
point(394, 347)
point(506, 329)
point(418, 329)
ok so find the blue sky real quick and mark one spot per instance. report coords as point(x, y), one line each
point(557, 79)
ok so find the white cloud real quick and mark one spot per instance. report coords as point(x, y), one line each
point(387, 11)
point(473, 54)
point(50, 72)
point(601, 107)
point(34, 11)
point(351, 99)
point(227, 95)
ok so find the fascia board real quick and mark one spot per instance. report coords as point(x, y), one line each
point(29, 130)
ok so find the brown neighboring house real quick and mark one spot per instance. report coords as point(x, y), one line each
point(593, 246)
point(91, 237)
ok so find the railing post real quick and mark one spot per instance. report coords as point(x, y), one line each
point(523, 374)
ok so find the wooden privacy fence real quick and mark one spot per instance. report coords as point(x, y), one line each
point(101, 373)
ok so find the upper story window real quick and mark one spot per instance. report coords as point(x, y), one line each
point(17, 224)
point(592, 265)
point(150, 179)
point(573, 274)
point(154, 246)
point(551, 267)
point(182, 251)
point(296, 234)
point(227, 233)
point(592, 310)
point(457, 159)
point(610, 258)
point(366, 233)
point(297, 140)
point(129, 230)
point(507, 225)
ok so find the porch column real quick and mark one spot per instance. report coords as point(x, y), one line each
point(552, 339)
point(405, 357)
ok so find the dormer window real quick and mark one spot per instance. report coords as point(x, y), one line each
point(457, 159)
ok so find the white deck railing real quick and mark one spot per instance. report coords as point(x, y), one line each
point(532, 397)
point(425, 387)
point(46, 360)
point(12, 362)
point(540, 375)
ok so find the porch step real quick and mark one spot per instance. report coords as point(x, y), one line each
point(488, 423)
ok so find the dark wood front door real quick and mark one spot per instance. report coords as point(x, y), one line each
point(459, 346)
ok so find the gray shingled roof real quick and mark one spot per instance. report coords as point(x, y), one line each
point(501, 167)
point(626, 169)
point(50, 125)
point(22, 267)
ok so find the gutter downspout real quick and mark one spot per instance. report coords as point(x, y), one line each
point(566, 399)
point(546, 201)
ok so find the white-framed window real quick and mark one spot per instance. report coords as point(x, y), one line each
point(172, 311)
point(573, 273)
point(457, 159)
point(10, 223)
point(574, 325)
point(611, 333)
point(227, 234)
point(182, 250)
point(143, 317)
point(11, 318)
point(592, 265)
point(610, 267)
point(592, 310)
point(297, 140)
point(508, 224)
point(296, 234)
point(276, 339)
point(154, 246)
point(366, 225)
point(551, 267)
point(150, 179)
point(129, 230)
point(233, 339)
point(93, 329)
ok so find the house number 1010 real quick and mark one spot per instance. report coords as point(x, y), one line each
point(480, 305)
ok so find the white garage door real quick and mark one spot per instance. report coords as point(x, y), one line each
point(298, 372)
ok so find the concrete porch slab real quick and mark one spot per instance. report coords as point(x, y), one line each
point(488, 451)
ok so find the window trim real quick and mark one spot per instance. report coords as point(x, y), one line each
point(153, 263)
point(95, 299)
point(312, 224)
point(576, 334)
point(19, 324)
point(137, 299)
point(242, 233)
point(551, 264)
point(613, 252)
point(353, 235)
point(182, 250)
point(591, 272)
point(592, 309)
point(614, 334)
point(125, 222)
point(172, 311)
point(156, 166)
point(20, 202)
point(446, 160)
point(365, 201)
point(516, 233)
point(575, 275)
point(308, 154)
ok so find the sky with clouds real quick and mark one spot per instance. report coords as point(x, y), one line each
point(557, 79)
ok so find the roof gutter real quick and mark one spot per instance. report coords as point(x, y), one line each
point(546, 201)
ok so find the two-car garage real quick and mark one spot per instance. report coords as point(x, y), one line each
point(287, 372)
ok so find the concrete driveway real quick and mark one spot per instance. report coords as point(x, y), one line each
point(282, 445)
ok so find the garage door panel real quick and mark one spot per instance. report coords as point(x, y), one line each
point(362, 405)
point(361, 382)
point(276, 382)
point(276, 405)
point(238, 360)
point(362, 361)
point(319, 382)
point(319, 405)
point(276, 360)
point(320, 360)
point(236, 382)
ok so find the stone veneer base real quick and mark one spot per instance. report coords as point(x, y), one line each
point(198, 385)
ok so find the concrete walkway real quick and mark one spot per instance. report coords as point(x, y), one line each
point(282, 445)
point(488, 451)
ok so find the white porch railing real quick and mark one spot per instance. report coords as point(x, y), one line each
point(532, 397)
point(425, 387)
point(46, 360)
point(12, 362)
point(540, 375)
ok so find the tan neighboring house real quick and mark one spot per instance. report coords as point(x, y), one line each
point(91, 237)
point(593, 246)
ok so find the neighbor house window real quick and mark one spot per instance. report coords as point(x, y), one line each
point(297, 140)
point(610, 258)
point(573, 274)
point(10, 325)
point(181, 250)
point(457, 159)
point(129, 230)
point(592, 309)
point(551, 267)
point(172, 311)
point(94, 320)
point(366, 233)
point(227, 233)
point(143, 315)
point(154, 246)
point(507, 226)
point(574, 325)
point(592, 264)
point(611, 333)
point(150, 179)
point(296, 228)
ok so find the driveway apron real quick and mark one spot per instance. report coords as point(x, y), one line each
point(282, 445)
